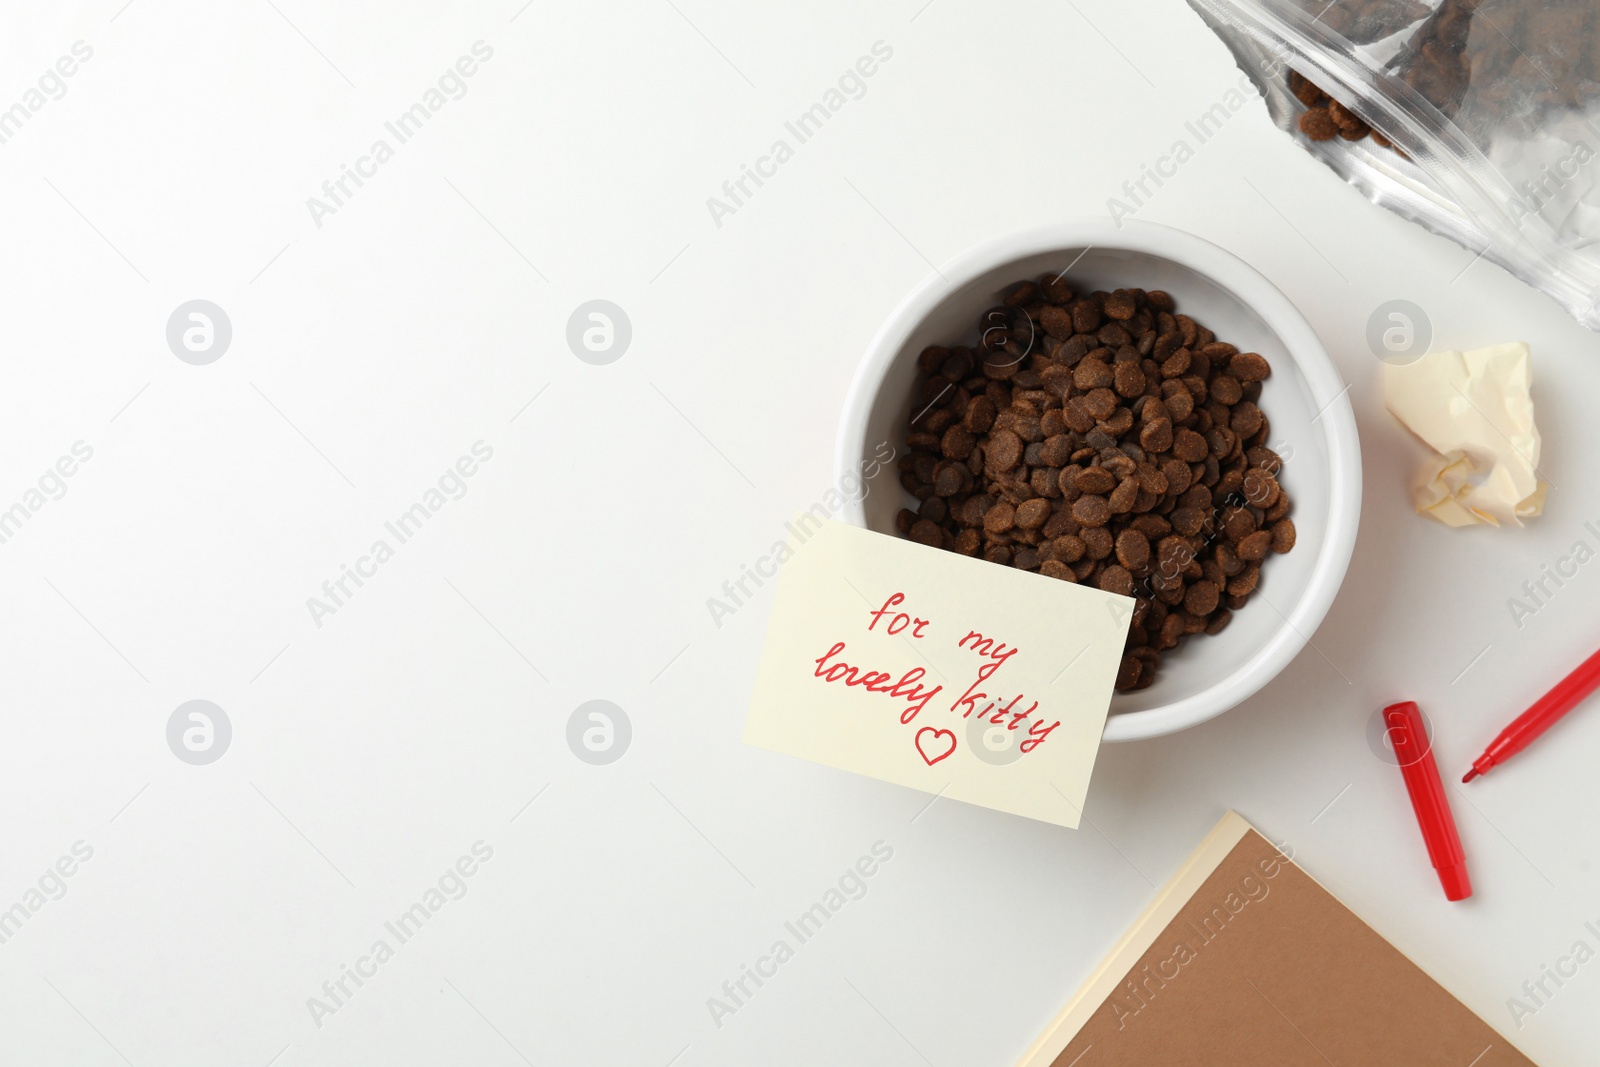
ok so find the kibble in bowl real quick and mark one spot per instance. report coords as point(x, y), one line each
point(1103, 438)
point(1071, 307)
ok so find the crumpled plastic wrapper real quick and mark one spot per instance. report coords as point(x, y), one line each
point(1476, 411)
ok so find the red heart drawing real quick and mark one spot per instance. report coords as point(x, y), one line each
point(946, 735)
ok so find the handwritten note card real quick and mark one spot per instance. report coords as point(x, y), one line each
point(937, 671)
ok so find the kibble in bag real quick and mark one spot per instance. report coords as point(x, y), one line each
point(1479, 119)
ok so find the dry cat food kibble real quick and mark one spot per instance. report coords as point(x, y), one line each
point(1102, 439)
point(1325, 118)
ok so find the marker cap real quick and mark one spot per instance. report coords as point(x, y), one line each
point(1457, 886)
point(1408, 732)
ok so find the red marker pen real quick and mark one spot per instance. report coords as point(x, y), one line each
point(1415, 752)
point(1545, 713)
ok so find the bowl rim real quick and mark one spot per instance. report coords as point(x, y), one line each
point(1250, 287)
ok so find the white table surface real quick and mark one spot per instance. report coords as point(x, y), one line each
point(371, 352)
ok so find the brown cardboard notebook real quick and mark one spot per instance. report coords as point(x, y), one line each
point(1242, 959)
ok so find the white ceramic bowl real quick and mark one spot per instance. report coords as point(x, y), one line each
point(1312, 427)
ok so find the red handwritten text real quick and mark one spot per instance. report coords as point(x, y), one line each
point(931, 742)
point(908, 687)
point(996, 654)
point(901, 620)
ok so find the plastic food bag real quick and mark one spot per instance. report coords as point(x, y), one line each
point(1491, 111)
